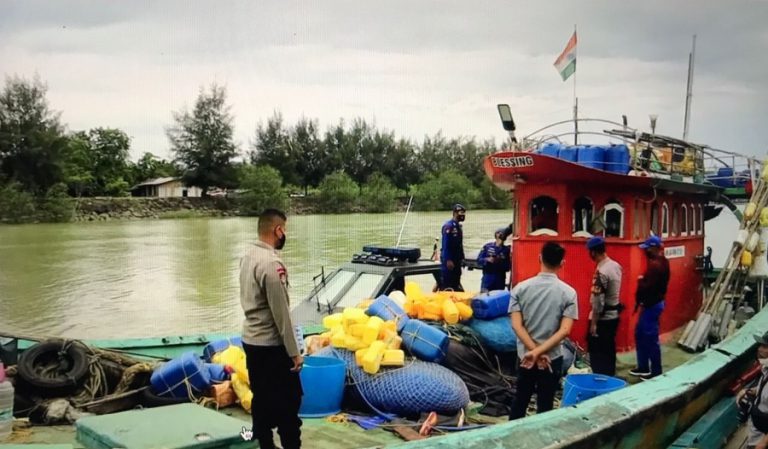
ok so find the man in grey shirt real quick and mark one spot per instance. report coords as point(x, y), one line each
point(606, 306)
point(271, 351)
point(543, 309)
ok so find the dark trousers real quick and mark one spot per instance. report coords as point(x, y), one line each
point(602, 349)
point(451, 279)
point(647, 339)
point(276, 396)
point(492, 281)
point(543, 382)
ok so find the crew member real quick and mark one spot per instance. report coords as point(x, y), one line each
point(495, 261)
point(452, 252)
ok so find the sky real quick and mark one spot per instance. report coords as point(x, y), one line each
point(415, 67)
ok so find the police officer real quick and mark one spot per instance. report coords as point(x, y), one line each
point(606, 307)
point(452, 252)
point(495, 261)
point(272, 352)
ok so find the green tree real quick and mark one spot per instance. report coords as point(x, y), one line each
point(202, 142)
point(379, 194)
point(32, 141)
point(271, 147)
point(56, 206)
point(441, 191)
point(308, 149)
point(338, 193)
point(16, 204)
point(150, 166)
point(262, 187)
point(78, 166)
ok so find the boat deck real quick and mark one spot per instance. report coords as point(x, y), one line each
point(324, 434)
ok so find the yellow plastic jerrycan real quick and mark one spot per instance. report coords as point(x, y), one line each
point(413, 292)
point(372, 329)
point(372, 359)
point(749, 212)
point(465, 312)
point(764, 217)
point(746, 259)
point(331, 321)
point(450, 312)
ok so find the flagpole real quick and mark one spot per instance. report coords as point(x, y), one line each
point(575, 98)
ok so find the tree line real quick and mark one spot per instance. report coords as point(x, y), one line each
point(348, 167)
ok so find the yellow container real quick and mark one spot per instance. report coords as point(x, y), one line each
point(352, 316)
point(395, 343)
point(372, 329)
point(746, 259)
point(764, 217)
point(434, 308)
point(357, 330)
point(339, 340)
point(372, 359)
point(450, 312)
point(431, 317)
point(359, 354)
point(465, 312)
point(393, 357)
point(749, 212)
point(413, 291)
point(243, 392)
point(331, 321)
point(354, 343)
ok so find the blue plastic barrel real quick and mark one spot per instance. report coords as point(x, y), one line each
point(496, 334)
point(724, 177)
point(424, 341)
point(617, 159)
point(490, 305)
point(217, 372)
point(592, 156)
point(182, 374)
point(550, 149)
point(388, 310)
point(217, 346)
point(322, 379)
point(580, 387)
point(569, 153)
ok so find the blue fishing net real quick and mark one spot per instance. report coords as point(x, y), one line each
point(418, 387)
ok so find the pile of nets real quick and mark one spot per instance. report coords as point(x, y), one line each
point(408, 391)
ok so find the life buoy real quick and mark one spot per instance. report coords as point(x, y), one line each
point(65, 363)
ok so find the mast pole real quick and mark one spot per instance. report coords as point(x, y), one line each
point(689, 91)
point(575, 98)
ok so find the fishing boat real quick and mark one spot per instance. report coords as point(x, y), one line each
point(565, 193)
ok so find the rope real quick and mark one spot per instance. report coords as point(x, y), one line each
point(130, 373)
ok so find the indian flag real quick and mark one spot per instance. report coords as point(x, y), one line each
point(566, 62)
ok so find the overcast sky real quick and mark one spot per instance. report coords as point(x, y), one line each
point(412, 66)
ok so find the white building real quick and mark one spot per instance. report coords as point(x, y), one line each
point(165, 188)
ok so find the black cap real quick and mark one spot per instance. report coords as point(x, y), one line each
point(762, 339)
point(458, 207)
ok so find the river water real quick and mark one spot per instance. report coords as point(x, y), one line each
point(177, 277)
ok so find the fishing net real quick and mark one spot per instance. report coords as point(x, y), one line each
point(407, 391)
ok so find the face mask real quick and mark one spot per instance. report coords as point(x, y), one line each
point(460, 218)
point(763, 362)
point(280, 242)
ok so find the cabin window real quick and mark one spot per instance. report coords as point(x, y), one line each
point(654, 219)
point(692, 220)
point(334, 284)
point(675, 220)
point(664, 220)
point(543, 215)
point(583, 212)
point(700, 229)
point(364, 287)
point(614, 219)
point(683, 220)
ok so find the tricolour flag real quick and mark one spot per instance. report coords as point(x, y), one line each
point(566, 62)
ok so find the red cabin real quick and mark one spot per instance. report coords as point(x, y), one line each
point(567, 202)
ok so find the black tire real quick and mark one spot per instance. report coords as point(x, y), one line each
point(150, 399)
point(73, 367)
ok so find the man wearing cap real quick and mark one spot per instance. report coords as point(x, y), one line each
point(604, 316)
point(494, 259)
point(452, 252)
point(651, 291)
point(757, 438)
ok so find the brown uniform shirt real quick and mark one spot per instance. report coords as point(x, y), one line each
point(264, 298)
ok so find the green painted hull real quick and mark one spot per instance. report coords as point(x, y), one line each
point(647, 415)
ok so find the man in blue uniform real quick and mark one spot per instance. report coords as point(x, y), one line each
point(495, 261)
point(452, 252)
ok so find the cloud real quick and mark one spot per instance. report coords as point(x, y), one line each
point(412, 67)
